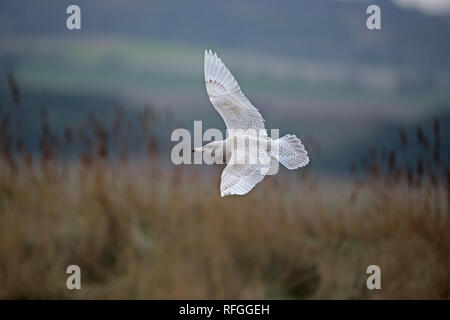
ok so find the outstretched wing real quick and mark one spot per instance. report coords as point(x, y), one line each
point(240, 175)
point(226, 96)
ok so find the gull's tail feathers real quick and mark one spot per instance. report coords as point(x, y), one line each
point(291, 152)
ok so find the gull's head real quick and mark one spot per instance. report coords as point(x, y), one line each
point(212, 150)
point(207, 148)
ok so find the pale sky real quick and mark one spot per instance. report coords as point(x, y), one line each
point(427, 6)
point(434, 7)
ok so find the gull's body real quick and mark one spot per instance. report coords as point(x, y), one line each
point(248, 151)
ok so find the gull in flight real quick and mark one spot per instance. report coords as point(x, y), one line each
point(249, 152)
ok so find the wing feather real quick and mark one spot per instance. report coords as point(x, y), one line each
point(240, 178)
point(227, 98)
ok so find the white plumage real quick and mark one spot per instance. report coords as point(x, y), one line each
point(244, 123)
point(227, 97)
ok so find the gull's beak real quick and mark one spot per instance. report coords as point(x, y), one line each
point(197, 149)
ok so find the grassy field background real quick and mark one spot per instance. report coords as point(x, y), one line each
point(86, 178)
point(140, 229)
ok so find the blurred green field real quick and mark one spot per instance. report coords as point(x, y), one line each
point(117, 65)
point(332, 103)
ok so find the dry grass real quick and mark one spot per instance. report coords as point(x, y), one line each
point(167, 235)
